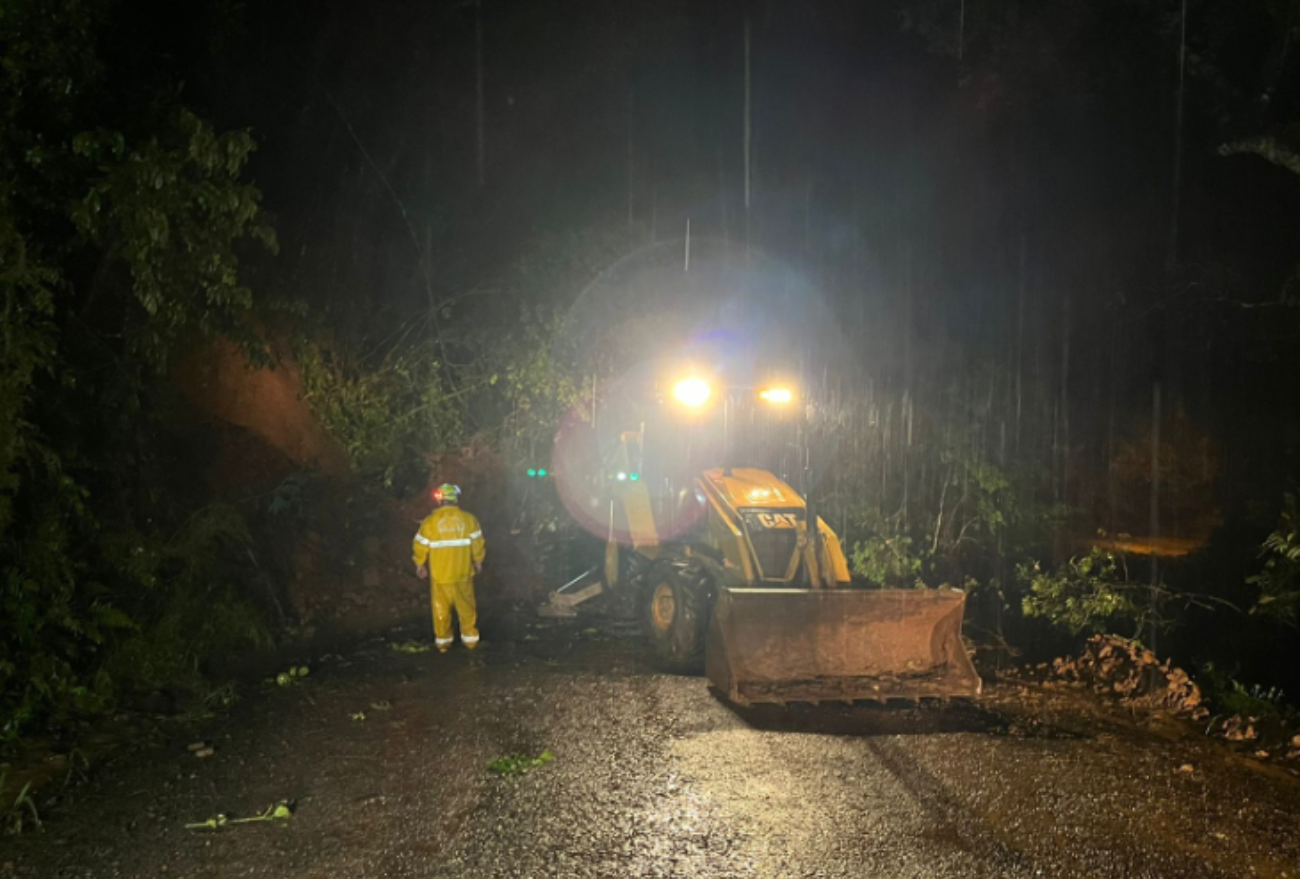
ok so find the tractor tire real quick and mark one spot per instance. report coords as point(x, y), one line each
point(677, 602)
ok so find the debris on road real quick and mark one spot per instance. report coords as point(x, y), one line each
point(280, 811)
point(358, 715)
point(519, 764)
point(1130, 672)
point(1238, 728)
point(286, 678)
point(1124, 670)
point(410, 646)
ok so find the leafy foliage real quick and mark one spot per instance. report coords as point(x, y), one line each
point(519, 764)
point(29, 340)
point(885, 556)
point(1092, 594)
point(21, 813)
point(172, 210)
point(960, 516)
point(1230, 696)
point(538, 382)
point(1095, 594)
point(58, 617)
point(193, 604)
point(1279, 581)
point(116, 246)
point(390, 412)
point(387, 414)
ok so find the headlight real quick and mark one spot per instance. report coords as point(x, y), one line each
point(692, 392)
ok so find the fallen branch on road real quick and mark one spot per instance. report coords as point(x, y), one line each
point(281, 811)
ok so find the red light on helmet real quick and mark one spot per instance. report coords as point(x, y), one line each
point(437, 495)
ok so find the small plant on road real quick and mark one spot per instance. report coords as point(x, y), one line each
point(21, 813)
point(519, 764)
point(1229, 696)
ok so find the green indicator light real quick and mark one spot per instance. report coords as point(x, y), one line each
point(531, 472)
point(541, 473)
point(634, 476)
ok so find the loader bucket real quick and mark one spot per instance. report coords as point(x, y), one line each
point(814, 645)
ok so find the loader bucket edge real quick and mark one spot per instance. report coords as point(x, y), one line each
point(814, 645)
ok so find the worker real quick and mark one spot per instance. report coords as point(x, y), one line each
point(449, 550)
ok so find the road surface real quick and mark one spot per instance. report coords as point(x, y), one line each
point(653, 776)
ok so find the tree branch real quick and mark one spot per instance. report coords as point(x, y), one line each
point(1268, 148)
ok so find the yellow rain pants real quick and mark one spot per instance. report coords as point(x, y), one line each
point(460, 597)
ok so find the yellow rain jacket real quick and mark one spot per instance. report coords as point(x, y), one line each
point(451, 541)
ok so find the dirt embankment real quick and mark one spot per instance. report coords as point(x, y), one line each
point(339, 548)
point(226, 390)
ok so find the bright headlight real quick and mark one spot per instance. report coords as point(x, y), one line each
point(776, 396)
point(692, 392)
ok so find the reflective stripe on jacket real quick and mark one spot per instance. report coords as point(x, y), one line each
point(451, 541)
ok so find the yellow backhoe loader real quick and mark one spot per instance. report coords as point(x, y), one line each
point(731, 575)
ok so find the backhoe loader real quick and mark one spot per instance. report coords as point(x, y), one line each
point(730, 574)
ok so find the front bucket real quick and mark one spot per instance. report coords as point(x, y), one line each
point(814, 645)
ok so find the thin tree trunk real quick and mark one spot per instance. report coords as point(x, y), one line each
point(631, 204)
point(1155, 508)
point(749, 118)
point(1176, 206)
point(478, 91)
point(807, 213)
point(1020, 339)
point(654, 215)
point(1065, 400)
point(722, 207)
point(1111, 500)
point(748, 110)
point(961, 32)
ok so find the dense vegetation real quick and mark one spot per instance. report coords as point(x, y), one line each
point(1017, 347)
point(122, 221)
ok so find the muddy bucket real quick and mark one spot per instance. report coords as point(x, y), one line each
point(814, 645)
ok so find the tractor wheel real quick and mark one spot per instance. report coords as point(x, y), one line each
point(677, 606)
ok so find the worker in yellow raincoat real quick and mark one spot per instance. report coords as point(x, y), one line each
point(449, 550)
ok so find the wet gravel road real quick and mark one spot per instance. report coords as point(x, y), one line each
point(655, 777)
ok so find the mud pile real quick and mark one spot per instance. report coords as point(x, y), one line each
point(1126, 671)
point(1264, 736)
point(1133, 674)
